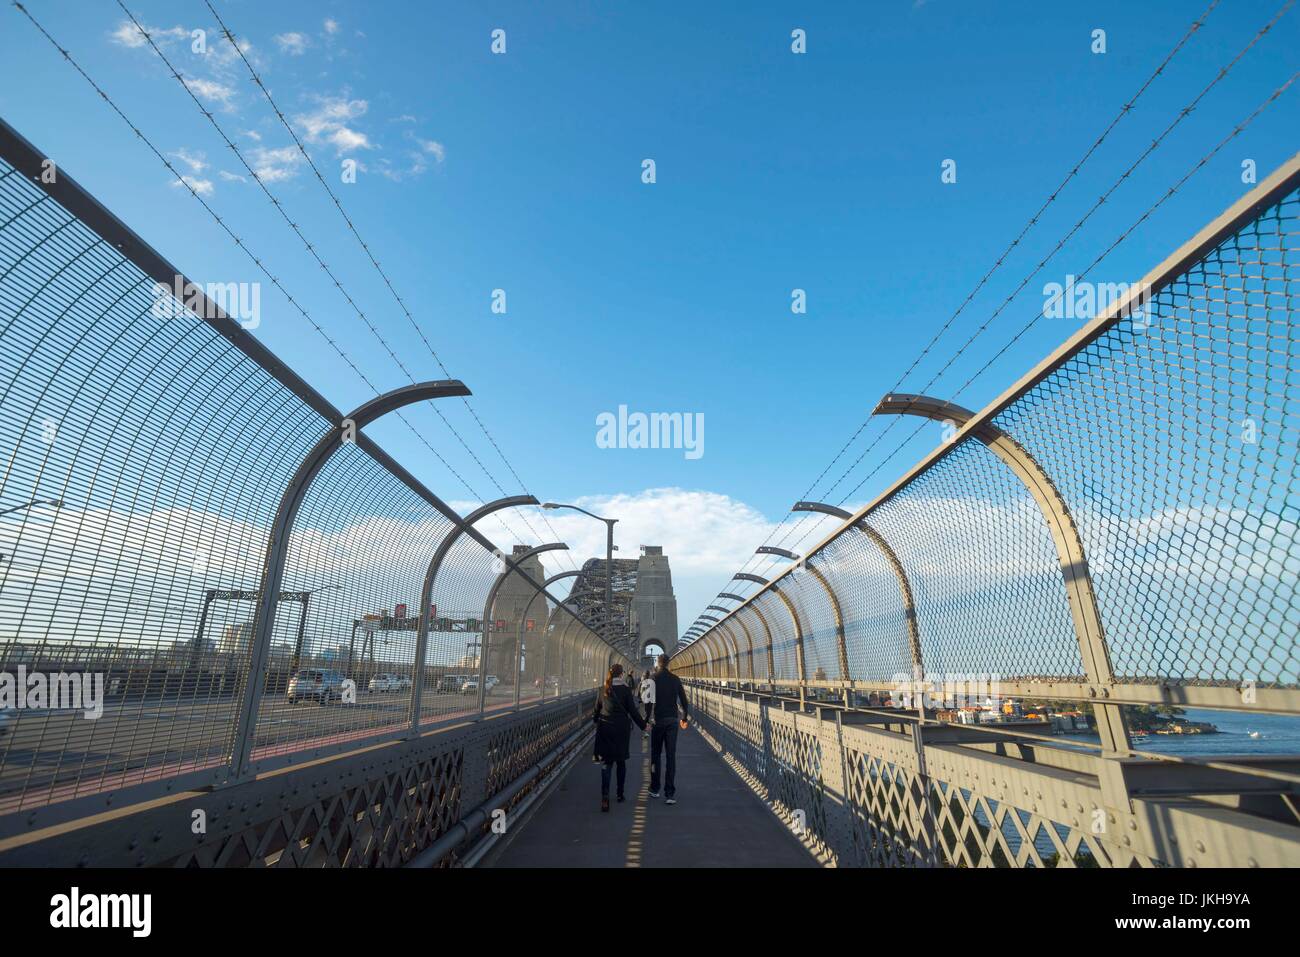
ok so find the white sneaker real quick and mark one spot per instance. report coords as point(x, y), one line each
point(671, 801)
point(654, 794)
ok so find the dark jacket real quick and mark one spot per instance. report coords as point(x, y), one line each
point(614, 716)
point(668, 694)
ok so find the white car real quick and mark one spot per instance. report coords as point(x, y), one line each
point(492, 682)
point(470, 686)
point(389, 682)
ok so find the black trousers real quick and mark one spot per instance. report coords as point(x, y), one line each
point(604, 777)
point(664, 738)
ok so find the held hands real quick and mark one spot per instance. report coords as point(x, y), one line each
point(682, 723)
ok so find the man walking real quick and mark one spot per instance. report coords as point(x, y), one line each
point(667, 695)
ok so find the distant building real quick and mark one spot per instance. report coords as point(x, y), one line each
point(644, 608)
point(237, 639)
point(654, 606)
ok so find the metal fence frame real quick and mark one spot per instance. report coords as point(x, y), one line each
point(700, 658)
point(241, 772)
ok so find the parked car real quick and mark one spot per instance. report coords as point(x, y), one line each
point(389, 682)
point(492, 682)
point(451, 683)
point(316, 684)
point(469, 686)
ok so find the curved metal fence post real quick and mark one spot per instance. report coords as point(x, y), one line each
point(771, 660)
point(798, 631)
point(841, 647)
point(1065, 536)
point(518, 560)
point(724, 653)
point(749, 646)
point(721, 645)
point(749, 639)
point(519, 636)
point(426, 591)
point(910, 618)
point(733, 660)
point(277, 550)
point(798, 644)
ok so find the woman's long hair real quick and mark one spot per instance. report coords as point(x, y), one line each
point(615, 671)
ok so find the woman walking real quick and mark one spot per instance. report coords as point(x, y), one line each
point(615, 713)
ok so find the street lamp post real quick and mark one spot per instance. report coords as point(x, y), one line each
point(609, 561)
point(56, 502)
point(302, 626)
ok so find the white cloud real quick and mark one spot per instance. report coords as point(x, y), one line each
point(195, 160)
point(294, 44)
point(331, 26)
point(329, 123)
point(210, 90)
point(128, 35)
point(275, 165)
point(707, 536)
point(203, 187)
point(224, 53)
point(433, 148)
point(232, 177)
point(348, 141)
point(417, 159)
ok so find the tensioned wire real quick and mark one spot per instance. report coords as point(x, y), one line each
point(312, 249)
point(338, 205)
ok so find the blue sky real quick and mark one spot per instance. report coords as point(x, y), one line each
point(775, 171)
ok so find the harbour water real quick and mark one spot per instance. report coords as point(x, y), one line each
point(1238, 734)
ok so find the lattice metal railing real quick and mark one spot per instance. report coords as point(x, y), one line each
point(881, 789)
point(186, 521)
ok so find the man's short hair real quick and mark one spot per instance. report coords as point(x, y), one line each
point(662, 662)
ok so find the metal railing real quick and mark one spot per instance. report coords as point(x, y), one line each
point(188, 522)
point(886, 787)
point(1120, 529)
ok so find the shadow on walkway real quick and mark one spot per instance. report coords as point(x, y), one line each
point(717, 822)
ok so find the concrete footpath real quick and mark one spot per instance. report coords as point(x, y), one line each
point(717, 822)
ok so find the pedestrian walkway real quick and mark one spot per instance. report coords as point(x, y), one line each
point(717, 822)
